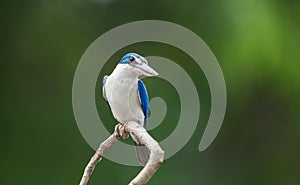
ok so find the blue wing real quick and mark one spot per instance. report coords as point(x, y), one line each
point(103, 83)
point(144, 100)
point(103, 89)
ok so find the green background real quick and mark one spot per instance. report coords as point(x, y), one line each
point(257, 46)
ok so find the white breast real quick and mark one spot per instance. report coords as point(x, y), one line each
point(121, 91)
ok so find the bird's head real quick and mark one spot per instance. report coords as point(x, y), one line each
point(137, 64)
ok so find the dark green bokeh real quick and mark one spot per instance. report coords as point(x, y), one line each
point(255, 42)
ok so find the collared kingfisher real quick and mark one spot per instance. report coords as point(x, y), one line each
point(127, 95)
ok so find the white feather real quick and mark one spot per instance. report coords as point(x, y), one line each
point(121, 90)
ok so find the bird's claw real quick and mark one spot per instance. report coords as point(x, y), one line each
point(121, 131)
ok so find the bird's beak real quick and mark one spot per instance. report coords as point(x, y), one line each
point(146, 70)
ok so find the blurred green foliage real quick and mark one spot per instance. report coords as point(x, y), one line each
point(255, 42)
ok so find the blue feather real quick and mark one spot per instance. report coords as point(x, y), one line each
point(103, 92)
point(144, 100)
point(125, 59)
point(103, 83)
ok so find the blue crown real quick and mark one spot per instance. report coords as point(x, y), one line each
point(125, 59)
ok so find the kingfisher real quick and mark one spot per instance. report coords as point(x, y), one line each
point(127, 95)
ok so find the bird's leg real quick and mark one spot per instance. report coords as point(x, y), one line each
point(120, 128)
point(124, 129)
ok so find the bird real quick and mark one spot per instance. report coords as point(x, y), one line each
point(127, 96)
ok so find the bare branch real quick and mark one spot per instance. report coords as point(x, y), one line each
point(97, 157)
point(156, 153)
point(155, 159)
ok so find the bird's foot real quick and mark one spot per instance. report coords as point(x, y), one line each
point(121, 131)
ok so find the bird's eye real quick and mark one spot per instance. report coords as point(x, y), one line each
point(131, 59)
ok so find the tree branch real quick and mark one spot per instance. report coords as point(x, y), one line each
point(156, 153)
point(97, 157)
point(155, 159)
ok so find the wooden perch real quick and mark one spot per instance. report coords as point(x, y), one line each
point(97, 157)
point(155, 159)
